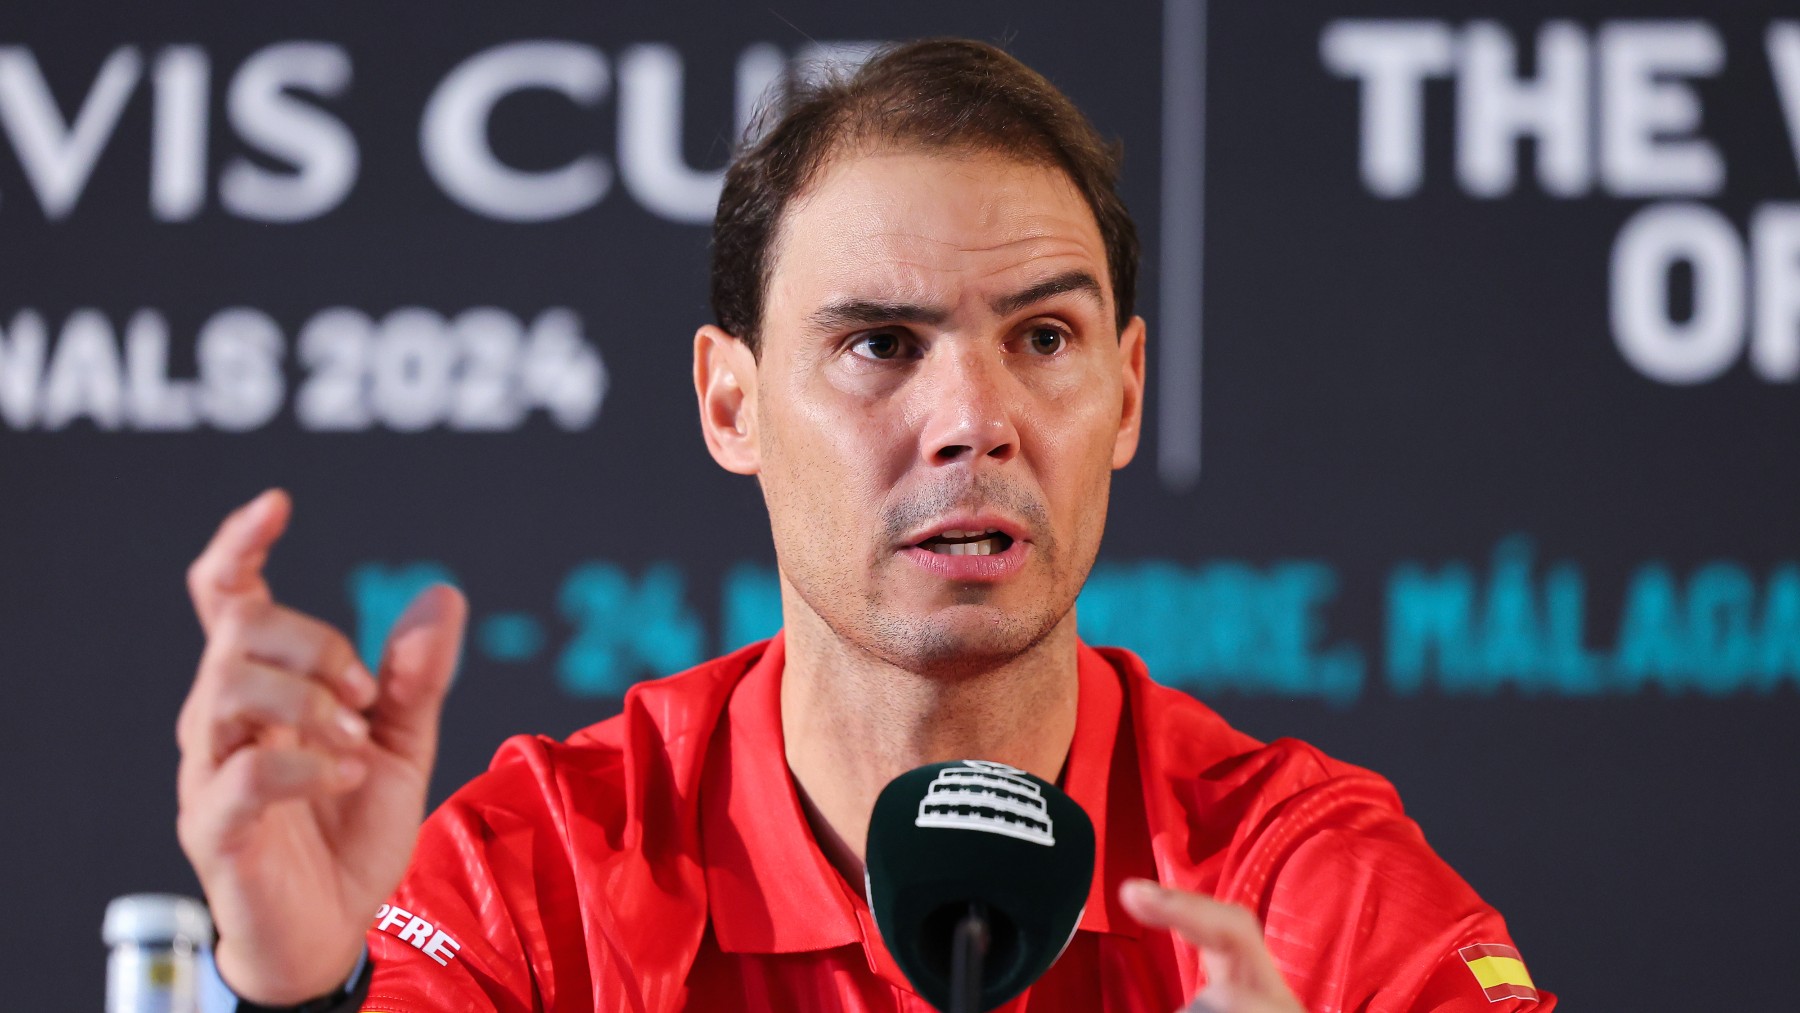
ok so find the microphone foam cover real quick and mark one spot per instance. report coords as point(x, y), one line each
point(947, 835)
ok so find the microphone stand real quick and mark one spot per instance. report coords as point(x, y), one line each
point(968, 948)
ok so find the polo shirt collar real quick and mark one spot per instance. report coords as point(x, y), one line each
point(770, 888)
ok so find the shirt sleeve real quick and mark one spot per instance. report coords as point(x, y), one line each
point(1361, 913)
point(448, 939)
point(488, 895)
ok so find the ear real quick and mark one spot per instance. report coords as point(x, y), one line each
point(725, 384)
point(1131, 409)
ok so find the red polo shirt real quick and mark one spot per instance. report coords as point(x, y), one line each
point(660, 860)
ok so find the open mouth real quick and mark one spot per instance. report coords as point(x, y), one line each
point(956, 542)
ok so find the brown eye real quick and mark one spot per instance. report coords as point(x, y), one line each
point(1046, 340)
point(879, 345)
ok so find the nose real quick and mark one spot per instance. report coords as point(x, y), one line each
point(970, 402)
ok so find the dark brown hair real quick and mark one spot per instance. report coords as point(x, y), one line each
point(937, 94)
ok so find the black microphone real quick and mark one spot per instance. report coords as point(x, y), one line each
point(977, 874)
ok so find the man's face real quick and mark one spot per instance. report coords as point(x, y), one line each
point(941, 398)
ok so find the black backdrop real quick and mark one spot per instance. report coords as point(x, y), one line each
point(1472, 460)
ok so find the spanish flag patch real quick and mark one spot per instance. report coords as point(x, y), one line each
point(1499, 970)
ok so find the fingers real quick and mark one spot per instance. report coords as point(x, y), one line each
point(416, 668)
point(1212, 1002)
point(261, 696)
point(230, 567)
point(250, 781)
point(309, 646)
point(1198, 919)
point(273, 716)
point(1241, 973)
point(280, 638)
point(267, 668)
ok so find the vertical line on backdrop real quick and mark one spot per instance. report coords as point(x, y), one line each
point(1178, 332)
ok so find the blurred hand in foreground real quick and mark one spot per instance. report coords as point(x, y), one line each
point(1241, 976)
point(303, 776)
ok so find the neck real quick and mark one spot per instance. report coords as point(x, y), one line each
point(852, 722)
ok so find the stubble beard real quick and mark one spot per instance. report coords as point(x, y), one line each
point(947, 645)
point(966, 639)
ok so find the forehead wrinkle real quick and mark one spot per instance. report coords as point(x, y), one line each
point(1038, 248)
point(900, 243)
point(893, 212)
point(1027, 224)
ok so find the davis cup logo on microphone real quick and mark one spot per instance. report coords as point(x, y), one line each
point(990, 797)
point(1008, 897)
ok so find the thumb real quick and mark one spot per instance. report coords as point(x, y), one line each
point(416, 668)
point(1241, 973)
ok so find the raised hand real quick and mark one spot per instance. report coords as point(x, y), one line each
point(1241, 976)
point(303, 777)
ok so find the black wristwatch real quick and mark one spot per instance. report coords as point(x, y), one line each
point(347, 998)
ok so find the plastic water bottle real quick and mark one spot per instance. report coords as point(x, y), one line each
point(159, 944)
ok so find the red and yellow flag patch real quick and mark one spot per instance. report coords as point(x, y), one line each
point(1499, 970)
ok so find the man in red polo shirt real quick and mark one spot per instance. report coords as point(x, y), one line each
point(926, 354)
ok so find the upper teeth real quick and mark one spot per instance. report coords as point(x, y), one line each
point(957, 542)
point(984, 547)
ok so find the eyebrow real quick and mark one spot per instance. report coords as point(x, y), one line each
point(1068, 281)
point(848, 313)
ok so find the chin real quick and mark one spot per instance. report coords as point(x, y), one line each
point(958, 641)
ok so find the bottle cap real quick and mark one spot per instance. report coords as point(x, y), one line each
point(156, 918)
